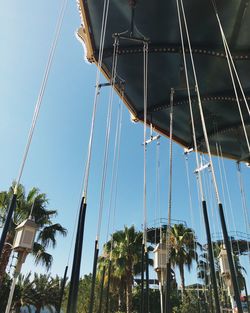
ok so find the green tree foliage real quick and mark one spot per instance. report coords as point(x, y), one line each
point(183, 249)
point(43, 217)
point(4, 292)
point(40, 292)
point(154, 300)
point(25, 294)
point(83, 295)
point(191, 303)
point(203, 273)
point(124, 249)
point(47, 292)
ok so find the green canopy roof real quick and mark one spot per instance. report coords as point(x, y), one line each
point(157, 20)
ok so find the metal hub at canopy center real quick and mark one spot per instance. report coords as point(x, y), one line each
point(158, 21)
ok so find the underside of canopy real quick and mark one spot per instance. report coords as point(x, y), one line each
point(158, 21)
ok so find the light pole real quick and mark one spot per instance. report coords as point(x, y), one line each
point(225, 273)
point(23, 244)
point(160, 266)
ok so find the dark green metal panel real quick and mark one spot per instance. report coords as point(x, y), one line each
point(157, 21)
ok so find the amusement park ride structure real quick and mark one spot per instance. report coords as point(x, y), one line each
point(198, 54)
point(181, 68)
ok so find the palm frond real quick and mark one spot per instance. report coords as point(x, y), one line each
point(47, 236)
point(41, 256)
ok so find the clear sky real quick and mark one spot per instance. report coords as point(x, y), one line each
point(58, 152)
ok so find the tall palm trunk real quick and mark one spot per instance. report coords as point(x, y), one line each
point(181, 268)
point(129, 290)
point(18, 308)
point(4, 260)
point(121, 300)
point(129, 298)
point(38, 308)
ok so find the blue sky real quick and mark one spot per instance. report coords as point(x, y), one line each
point(58, 152)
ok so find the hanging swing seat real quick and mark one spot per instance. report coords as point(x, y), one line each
point(158, 21)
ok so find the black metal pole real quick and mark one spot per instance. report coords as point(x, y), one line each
point(101, 291)
point(62, 289)
point(245, 287)
point(211, 300)
point(92, 292)
point(199, 303)
point(230, 259)
point(7, 222)
point(211, 258)
point(73, 278)
point(75, 274)
point(167, 291)
point(147, 284)
point(142, 280)
point(205, 306)
point(108, 286)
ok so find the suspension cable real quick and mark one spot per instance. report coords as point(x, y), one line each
point(199, 178)
point(75, 272)
point(228, 194)
point(116, 178)
point(202, 229)
point(215, 216)
point(191, 209)
point(107, 136)
point(97, 91)
point(220, 207)
point(114, 167)
point(208, 150)
point(12, 203)
point(221, 181)
point(229, 62)
point(236, 95)
point(158, 206)
point(220, 163)
point(41, 92)
point(170, 173)
point(145, 99)
point(228, 53)
point(75, 223)
point(244, 205)
point(189, 189)
point(200, 105)
point(223, 173)
point(227, 187)
point(168, 230)
point(190, 103)
point(104, 171)
point(84, 186)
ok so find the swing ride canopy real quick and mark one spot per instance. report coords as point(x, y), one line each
point(158, 21)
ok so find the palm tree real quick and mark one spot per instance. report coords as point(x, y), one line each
point(37, 203)
point(183, 249)
point(56, 289)
point(204, 266)
point(41, 292)
point(47, 293)
point(126, 247)
point(4, 292)
point(84, 291)
point(24, 293)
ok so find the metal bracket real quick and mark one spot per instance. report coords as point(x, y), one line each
point(152, 138)
point(202, 168)
point(143, 40)
point(188, 150)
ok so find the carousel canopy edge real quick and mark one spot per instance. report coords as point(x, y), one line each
point(222, 118)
